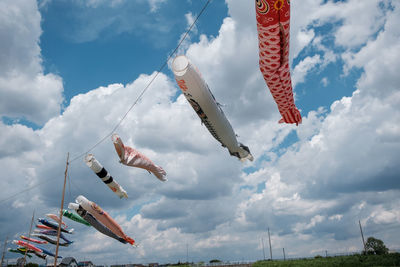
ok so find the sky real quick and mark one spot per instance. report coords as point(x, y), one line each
point(70, 70)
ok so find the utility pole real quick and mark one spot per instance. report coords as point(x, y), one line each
point(284, 256)
point(262, 241)
point(187, 253)
point(362, 236)
point(30, 231)
point(270, 248)
point(61, 211)
point(4, 252)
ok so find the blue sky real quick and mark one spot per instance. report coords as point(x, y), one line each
point(69, 70)
point(115, 54)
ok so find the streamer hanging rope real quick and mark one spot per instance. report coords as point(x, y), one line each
point(130, 108)
point(146, 87)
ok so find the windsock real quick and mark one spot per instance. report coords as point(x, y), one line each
point(32, 240)
point(54, 226)
point(273, 26)
point(41, 226)
point(47, 252)
point(51, 241)
point(19, 251)
point(199, 96)
point(56, 218)
point(95, 223)
point(103, 174)
point(75, 217)
point(103, 217)
point(26, 245)
point(131, 157)
point(52, 233)
point(38, 254)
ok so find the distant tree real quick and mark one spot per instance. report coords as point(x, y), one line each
point(375, 246)
point(215, 261)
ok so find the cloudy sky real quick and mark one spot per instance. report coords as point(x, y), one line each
point(69, 71)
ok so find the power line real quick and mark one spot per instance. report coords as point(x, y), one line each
point(26, 190)
point(146, 87)
point(126, 113)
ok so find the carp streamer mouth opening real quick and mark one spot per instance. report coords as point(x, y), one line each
point(180, 65)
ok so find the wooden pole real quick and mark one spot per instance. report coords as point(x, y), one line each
point(61, 211)
point(30, 231)
point(270, 248)
point(4, 252)
point(362, 236)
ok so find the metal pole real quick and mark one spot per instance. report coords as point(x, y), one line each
point(362, 236)
point(284, 256)
point(262, 241)
point(270, 248)
point(4, 251)
point(30, 231)
point(61, 211)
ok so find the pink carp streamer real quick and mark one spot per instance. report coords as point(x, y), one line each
point(103, 217)
point(273, 25)
point(32, 240)
point(26, 245)
point(41, 226)
point(131, 157)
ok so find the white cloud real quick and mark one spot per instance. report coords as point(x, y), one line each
point(305, 67)
point(25, 91)
point(325, 81)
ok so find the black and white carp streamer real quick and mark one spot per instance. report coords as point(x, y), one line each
point(103, 174)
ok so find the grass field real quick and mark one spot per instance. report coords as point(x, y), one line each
point(346, 261)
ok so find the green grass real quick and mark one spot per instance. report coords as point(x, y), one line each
point(342, 261)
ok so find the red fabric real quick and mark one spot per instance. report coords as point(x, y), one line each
point(273, 25)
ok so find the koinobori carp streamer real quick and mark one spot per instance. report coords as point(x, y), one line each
point(273, 25)
point(131, 157)
point(103, 217)
point(103, 174)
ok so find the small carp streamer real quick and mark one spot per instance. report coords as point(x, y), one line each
point(75, 217)
point(56, 218)
point(103, 174)
point(32, 240)
point(131, 157)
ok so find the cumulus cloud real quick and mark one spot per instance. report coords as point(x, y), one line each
point(304, 68)
point(25, 91)
point(335, 154)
